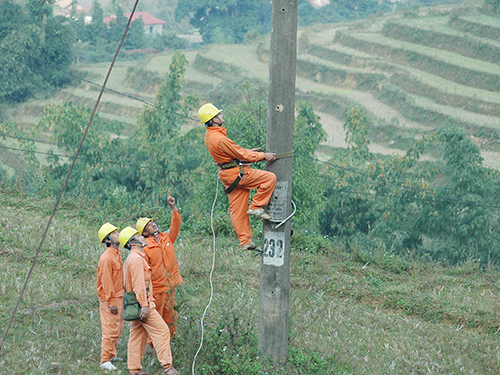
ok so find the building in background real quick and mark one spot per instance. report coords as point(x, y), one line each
point(152, 25)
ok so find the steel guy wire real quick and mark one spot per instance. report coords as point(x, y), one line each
point(67, 178)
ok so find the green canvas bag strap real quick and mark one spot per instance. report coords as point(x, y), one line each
point(125, 282)
point(235, 183)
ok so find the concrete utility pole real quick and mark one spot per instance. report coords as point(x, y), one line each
point(275, 271)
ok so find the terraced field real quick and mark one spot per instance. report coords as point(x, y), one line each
point(430, 70)
point(412, 72)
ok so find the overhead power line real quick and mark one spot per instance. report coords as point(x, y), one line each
point(427, 191)
point(27, 139)
point(442, 198)
point(34, 152)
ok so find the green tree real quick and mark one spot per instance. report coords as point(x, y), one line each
point(77, 22)
point(11, 16)
point(140, 169)
point(103, 167)
point(97, 28)
point(396, 202)
point(135, 35)
point(347, 208)
point(494, 5)
point(463, 218)
point(26, 143)
point(117, 26)
point(356, 133)
point(169, 40)
point(18, 65)
point(34, 54)
point(158, 134)
point(375, 199)
point(308, 186)
point(222, 21)
point(39, 11)
point(56, 54)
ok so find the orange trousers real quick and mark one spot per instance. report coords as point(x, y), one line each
point(112, 326)
point(265, 182)
point(157, 329)
point(165, 303)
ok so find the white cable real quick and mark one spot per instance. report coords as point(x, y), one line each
point(211, 272)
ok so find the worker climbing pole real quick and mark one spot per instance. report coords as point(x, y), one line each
point(275, 271)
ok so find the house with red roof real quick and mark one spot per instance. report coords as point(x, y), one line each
point(151, 24)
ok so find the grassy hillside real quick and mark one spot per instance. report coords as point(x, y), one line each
point(350, 312)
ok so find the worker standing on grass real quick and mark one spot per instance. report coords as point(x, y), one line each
point(138, 279)
point(110, 292)
point(160, 256)
point(237, 176)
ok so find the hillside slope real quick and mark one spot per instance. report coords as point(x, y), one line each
point(350, 313)
point(412, 72)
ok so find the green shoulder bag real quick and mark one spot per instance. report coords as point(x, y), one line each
point(132, 307)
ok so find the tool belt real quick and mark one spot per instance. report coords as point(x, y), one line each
point(231, 164)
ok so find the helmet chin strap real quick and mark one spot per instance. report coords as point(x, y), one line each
point(133, 240)
point(108, 240)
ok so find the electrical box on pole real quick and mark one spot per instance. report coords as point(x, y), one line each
point(275, 270)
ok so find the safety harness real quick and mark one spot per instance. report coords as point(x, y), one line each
point(235, 163)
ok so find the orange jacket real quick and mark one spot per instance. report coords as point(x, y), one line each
point(110, 277)
point(223, 150)
point(138, 277)
point(160, 255)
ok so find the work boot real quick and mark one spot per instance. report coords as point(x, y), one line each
point(108, 366)
point(116, 358)
point(170, 371)
point(249, 246)
point(259, 213)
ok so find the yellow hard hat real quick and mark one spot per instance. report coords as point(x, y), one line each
point(141, 224)
point(126, 235)
point(105, 230)
point(207, 112)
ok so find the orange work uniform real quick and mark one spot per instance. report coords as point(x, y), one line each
point(165, 275)
point(223, 150)
point(138, 279)
point(110, 292)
